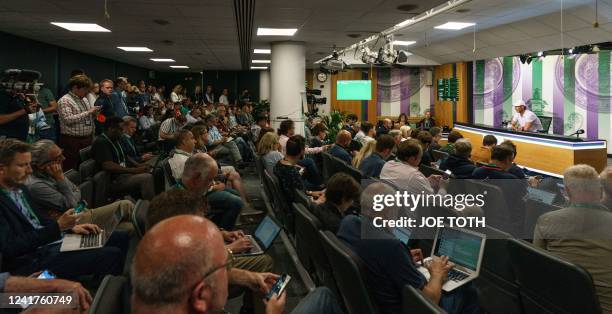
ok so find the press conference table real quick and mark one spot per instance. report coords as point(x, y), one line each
point(545, 153)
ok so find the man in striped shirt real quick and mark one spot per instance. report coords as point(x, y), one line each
point(168, 129)
point(76, 117)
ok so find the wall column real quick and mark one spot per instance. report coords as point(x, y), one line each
point(264, 85)
point(287, 88)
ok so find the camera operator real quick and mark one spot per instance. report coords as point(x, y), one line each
point(14, 120)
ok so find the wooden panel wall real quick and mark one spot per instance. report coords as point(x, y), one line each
point(355, 106)
point(309, 78)
point(444, 109)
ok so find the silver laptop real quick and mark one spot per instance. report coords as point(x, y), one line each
point(264, 235)
point(464, 248)
point(79, 242)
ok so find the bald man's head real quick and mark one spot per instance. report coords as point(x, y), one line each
point(343, 138)
point(387, 123)
point(178, 264)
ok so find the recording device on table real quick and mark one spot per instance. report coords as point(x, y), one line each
point(279, 287)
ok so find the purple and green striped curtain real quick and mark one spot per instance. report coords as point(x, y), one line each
point(402, 91)
point(576, 92)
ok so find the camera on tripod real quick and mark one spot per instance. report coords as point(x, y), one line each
point(312, 100)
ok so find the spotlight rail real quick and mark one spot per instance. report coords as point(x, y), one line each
point(449, 5)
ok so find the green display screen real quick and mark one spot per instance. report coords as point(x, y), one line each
point(354, 90)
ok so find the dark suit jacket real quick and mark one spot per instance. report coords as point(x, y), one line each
point(340, 152)
point(18, 239)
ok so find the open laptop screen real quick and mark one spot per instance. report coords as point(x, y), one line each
point(267, 231)
point(401, 234)
point(462, 248)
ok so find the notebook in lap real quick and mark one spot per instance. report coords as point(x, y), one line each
point(464, 248)
point(264, 235)
point(78, 242)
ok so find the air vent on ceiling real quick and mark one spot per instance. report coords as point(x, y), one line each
point(354, 35)
point(161, 22)
point(168, 42)
point(463, 11)
point(407, 7)
point(244, 13)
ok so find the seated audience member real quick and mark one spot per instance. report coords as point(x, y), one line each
point(391, 265)
point(366, 133)
point(312, 174)
point(289, 172)
point(384, 128)
point(218, 142)
point(606, 182)
point(436, 136)
point(372, 165)
point(339, 150)
point(483, 154)
point(427, 122)
point(224, 205)
point(248, 268)
point(453, 136)
point(514, 169)
point(110, 156)
point(405, 170)
point(414, 133)
point(193, 116)
point(401, 120)
point(501, 161)
point(147, 120)
point(397, 136)
point(581, 233)
point(425, 138)
point(341, 193)
point(51, 190)
point(268, 148)
point(168, 129)
point(128, 144)
point(192, 276)
point(405, 129)
point(350, 124)
point(29, 239)
point(319, 135)
point(364, 153)
point(16, 285)
point(459, 163)
point(260, 123)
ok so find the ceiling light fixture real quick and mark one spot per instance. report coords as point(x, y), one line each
point(261, 31)
point(540, 53)
point(81, 27)
point(406, 22)
point(403, 42)
point(136, 49)
point(161, 60)
point(179, 67)
point(259, 68)
point(454, 25)
point(262, 51)
point(261, 61)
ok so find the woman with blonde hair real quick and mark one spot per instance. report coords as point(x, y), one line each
point(364, 152)
point(405, 129)
point(268, 149)
point(177, 94)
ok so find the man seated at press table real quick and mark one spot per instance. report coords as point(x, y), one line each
point(524, 119)
point(391, 265)
point(51, 190)
point(29, 239)
point(581, 233)
point(109, 155)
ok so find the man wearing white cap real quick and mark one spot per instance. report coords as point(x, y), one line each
point(524, 119)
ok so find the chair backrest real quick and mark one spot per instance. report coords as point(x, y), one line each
point(101, 181)
point(495, 207)
point(413, 301)
point(439, 155)
point(168, 172)
point(87, 191)
point(112, 297)
point(281, 207)
point(355, 173)
point(308, 244)
point(302, 198)
point(74, 176)
point(427, 171)
point(496, 283)
point(549, 284)
point(350, 274)
point(87, 169)
point(259, 166)
point(327, 165)
point(546, 122)
point(139, 216)
point(85, 153)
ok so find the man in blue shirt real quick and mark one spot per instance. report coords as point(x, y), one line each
point(391, 265)
point(373, 164)
point(343, 139)
point(119, 98)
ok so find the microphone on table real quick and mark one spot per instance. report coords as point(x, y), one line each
point(578, 132)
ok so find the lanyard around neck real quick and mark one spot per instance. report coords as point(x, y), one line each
point(121, 156)
point(25, 202)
